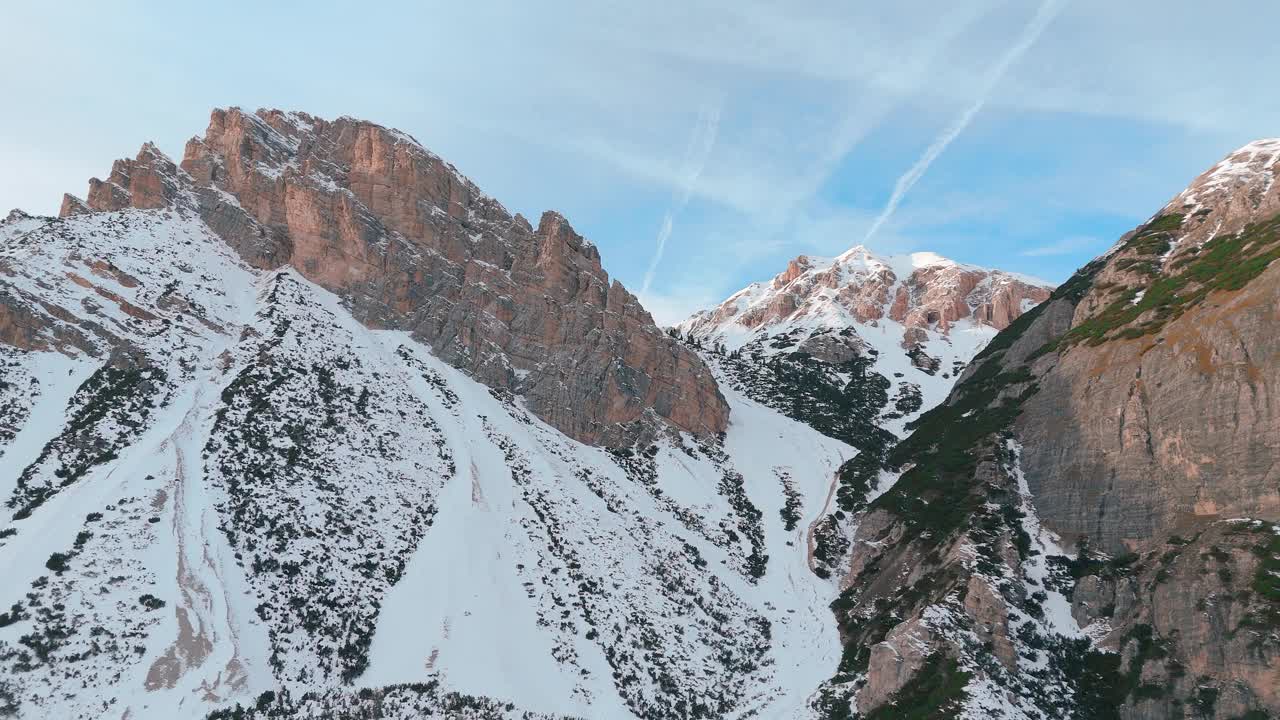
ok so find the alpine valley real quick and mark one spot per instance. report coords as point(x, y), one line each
point(306, 425)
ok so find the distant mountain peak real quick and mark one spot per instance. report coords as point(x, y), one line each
point(921, 291)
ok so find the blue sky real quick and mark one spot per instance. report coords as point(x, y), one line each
point(756, 131)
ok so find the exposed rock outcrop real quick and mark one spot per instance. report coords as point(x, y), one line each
point(1145, 437)
point(1193, 622)
point(1159, 409)
point(412, 245)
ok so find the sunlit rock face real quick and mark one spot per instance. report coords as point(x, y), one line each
point(411, 244)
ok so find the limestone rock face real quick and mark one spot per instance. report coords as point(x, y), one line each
point(1159, 416)
point(1135, 439)
point(412, 245)
point(894, 661)
point(1193, 599)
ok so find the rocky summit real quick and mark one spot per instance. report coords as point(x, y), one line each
point(410, 244)
point(305, 425)
point(915, 318)
point(920, 291)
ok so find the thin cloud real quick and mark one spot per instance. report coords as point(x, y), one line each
point(701, 141)
point(1048, 10)
point(909, 74)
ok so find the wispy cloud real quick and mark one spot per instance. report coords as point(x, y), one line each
point(684, 293)
point(701, 141)
point(1048, 10)
point(1065, 246)
point(597, 99)
point(866, 113)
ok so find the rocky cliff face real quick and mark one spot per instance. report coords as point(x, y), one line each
point(412, 245)
point(1087, 526)
point(1172, 356)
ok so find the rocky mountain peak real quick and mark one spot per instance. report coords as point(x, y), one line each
point(1234, 194)
point(149, 181)
point(1231, 194)
point(411, 244)
point(1214, 235)
point(921, 291)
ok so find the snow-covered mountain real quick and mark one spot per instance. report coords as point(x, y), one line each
point(218, 484)
point(920, 317)
point(857, 346)
point(249, 463)
point(306, 425)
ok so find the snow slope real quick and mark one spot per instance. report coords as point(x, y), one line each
point(218, 484)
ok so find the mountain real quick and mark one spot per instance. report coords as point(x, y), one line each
point(857, 347)
point(919, 318)
point(412, 245)
point(305, 425)
point(1087, 526)
point(921, 291)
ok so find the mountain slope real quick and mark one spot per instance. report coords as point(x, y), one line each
point(857, 347)
point(411, 244)
point(225, 483)
point(1087, 526)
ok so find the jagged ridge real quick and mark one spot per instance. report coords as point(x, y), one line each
point(411, 244)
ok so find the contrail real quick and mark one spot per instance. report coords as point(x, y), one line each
point(1048, 10)
point(695, 158)
point(865, 117)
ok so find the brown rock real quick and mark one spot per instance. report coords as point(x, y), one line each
point(72, 205)
point(1144, 436)
point(19, 327)
point(934, 295)
point(990, 617)
point(411, 244)
point(146, 182)
point(1195, 599)
point(894, 662)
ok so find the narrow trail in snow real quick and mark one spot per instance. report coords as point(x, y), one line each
point(826, 507)
point(200, 629)
point(192, 646)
